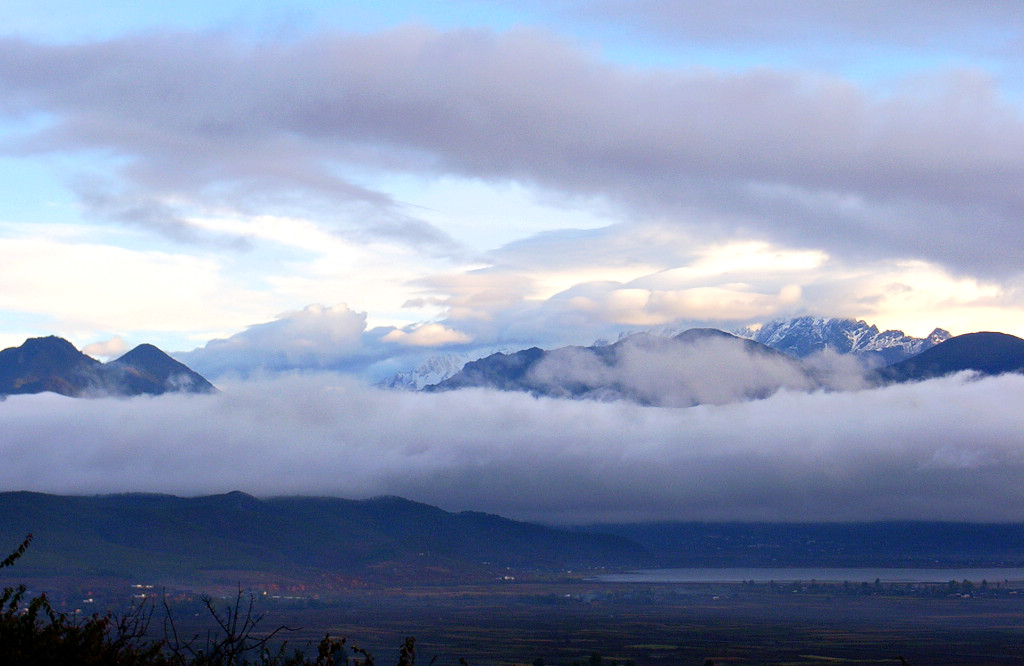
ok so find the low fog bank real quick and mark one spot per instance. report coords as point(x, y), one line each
point(950, 449)
point(668, 372)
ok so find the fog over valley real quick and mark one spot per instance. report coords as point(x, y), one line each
point(945, 449)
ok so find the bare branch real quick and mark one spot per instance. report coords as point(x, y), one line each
point(13, 557)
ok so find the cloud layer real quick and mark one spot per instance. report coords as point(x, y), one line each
point(197, 122)
point(948, 449)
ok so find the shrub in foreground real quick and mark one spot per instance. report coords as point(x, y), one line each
point(33, 633)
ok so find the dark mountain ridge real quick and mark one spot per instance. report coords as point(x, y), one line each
point(147, 369)
point(984, 352)
point(53, 364)
point(47, 364)
point(643, 367)
point(502, 371)
point(168, 538)
point(236, 538)
point(709, 366)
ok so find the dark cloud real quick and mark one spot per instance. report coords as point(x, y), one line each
point(930, 170)
point(944, 450)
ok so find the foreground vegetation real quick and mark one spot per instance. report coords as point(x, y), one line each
point(33, 632)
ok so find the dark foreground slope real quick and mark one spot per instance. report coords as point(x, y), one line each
point(184, 539)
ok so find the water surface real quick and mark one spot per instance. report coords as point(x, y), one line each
point(821, 575)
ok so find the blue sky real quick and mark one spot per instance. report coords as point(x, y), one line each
point(358, 185)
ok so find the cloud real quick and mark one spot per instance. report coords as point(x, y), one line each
point(981, 28)
point(666, 372)
point(198, 122)
point(947, 449)
point(314, 338)
point(106, 349)
point(427, 335)
point(102, 286)
point(319, 338)
point(643, 307)
point(722, 197)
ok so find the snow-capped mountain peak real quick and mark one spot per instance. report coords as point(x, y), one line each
point(803, 336)
point(435, 369)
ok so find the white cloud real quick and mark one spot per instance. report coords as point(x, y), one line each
point(106, 349)
point(314, 338)
point(642, 307)
point(427, 335)
point(102, 287)
point(943, 450)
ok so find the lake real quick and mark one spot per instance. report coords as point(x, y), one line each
point(822, 575)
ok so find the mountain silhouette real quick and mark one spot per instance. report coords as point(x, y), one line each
point(48, 364)
point(162, 536)
point(987, 353)
point(147, 369)
point(697, 366)
point(52, 364)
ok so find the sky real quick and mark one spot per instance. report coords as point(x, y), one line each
point(402, 178)
point(347, 188)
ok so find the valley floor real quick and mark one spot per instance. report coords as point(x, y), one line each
point(567, 622)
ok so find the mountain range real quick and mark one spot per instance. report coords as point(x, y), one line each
point(985, 353)
point(697, 366)
point(434, 369)
point(800, 337)
point(678, 371)
point(804, 336)
point(225, 538)
point(327, 542)
point(708, 366)
point(53, 364)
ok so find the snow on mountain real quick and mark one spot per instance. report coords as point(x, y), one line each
point(803, 336)
point(434, 370)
